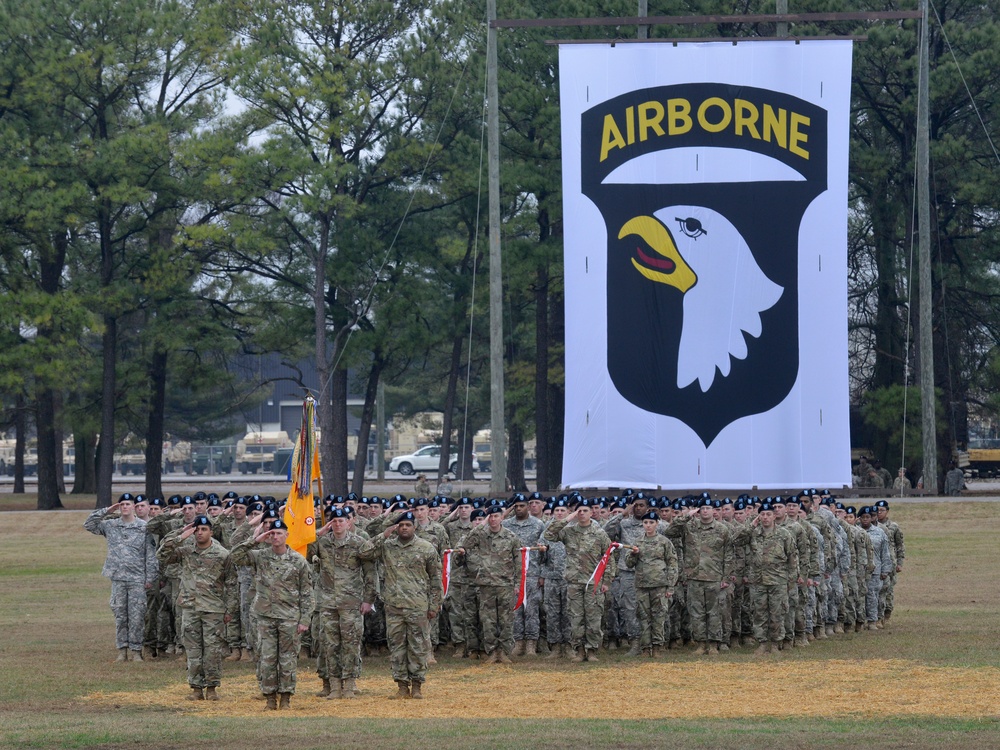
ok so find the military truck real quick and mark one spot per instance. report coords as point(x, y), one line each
point(255, 452)
point(213, 459)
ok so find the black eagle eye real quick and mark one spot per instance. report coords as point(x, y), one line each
point(691, 227)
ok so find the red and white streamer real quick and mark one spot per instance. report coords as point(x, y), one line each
point(525, 558)
point(598, 573)
point(446, 571)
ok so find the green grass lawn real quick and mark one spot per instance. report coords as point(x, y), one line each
point(56, 648)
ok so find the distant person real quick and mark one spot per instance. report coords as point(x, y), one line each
point(954, 481)
point(901, 482)
point(131, 565)
point(421, 488)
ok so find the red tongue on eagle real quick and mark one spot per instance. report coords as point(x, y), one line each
point(662, 263)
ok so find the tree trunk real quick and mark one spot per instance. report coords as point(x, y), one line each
point(154, 424)
point(515, 457)
point(557, 392)
point(338, 388)
point(84, 459)
point(48, 488)
point(20, 443)
point(367, 414)
point(447, 419)
point(541, 379)
point(465, 436)
point(109, 360)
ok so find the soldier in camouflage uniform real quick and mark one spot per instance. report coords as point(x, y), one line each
point(552, 572)
point(412, 595)
point(528, 530)
point(131, 566)
point(586, 544)
point(493, 559)
point(654, 562)
point(180, 513)
point(881, 563)
point(345, 593)
point(464, 635)
point(283, 604)
point(897, 551)
point(854, 611)
point(774, 560)
point(627, 529)
point(209, 597)
point(708, 558)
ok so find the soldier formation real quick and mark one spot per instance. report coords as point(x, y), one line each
point(211, 579)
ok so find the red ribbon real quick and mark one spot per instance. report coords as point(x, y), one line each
point(598, 573)
point(525, 553)
point(446, 571)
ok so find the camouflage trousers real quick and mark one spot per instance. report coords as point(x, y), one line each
point(680, 621)
point(170, 592)
point(624, 620)
point(339, 638)
point(497, 617)
point(872, 597)
point(473, 626)
point(834, 599)
point(586, 613)
point(408, 632)
point(770, 605)
point(455, 604)
point(557, 628)
point(149, 636)
point(128, 605)
point(705, 610)
point(651, 608)
point(809, 608)
point(885, 596)
point(851, 601)
point(165, 625)
point(203, 635)
point(526, 616)
point(248, 618)
point(726, 598)
point(278, 655)
point(375, 625)
point(741, 611)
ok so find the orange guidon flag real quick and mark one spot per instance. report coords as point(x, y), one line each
point(299, 510)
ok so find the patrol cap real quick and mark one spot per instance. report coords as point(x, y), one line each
point(201, 521)
point(651, 516)
point(127, 497)
point(408, 516)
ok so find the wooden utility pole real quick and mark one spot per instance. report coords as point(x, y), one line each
point(380, 431)
point(498, 432)
point(926, 338)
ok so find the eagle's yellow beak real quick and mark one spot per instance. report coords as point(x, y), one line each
point(667, 267)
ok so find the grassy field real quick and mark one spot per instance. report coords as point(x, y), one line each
point(931, 681)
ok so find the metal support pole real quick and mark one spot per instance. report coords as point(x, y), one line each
point(926, 339)
point(498, 485)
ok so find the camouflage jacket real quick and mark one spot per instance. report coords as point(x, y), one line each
point(553, 560)
point(655, 565)
point(880, 543)
point(528, 531)
point(283, 582)
point(708, 549)
point(343, 580)
point(584, 548)
point(774, 555)
point(492, 558)
point(858, 541)
point(131, 552)
point(208, 581)
point(158, 528)
point(411, 572)
point(897, 549)
point(814, 569)
point(456, 533)
point(798, 533)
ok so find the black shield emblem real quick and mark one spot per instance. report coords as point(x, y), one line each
point(702, 278)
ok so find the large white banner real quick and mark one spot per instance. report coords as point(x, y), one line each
point(705, 199)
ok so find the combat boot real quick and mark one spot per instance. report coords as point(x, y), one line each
point(348, 688)
point(763, 649)
point(723, 647)
point(195, 694)
point(169, 649)
point(635, 648)
point(789, 642)
point(775, 648)
point(272, 702)
point(235, 655)
point(579, 655)
point(829, 630)
point(592, 654)
point(676, 643)
point(415, 691)
point(210, 694)
point(713, 648)
point(460, 652)
point(734, 641)
point(886, 618)
point(858, 627)
point(657, 652)
point(493, 657)
point(326, 689)
point(136, 654)
point(122, 655)
point(502, 658)
point(148, 652)
point(403, 690)
point(879, 624)
point(519, 648)
point(838, 629)
point(555, 651)
point(702, 649)
point(542, 646)
point(431, 659)
point(531, 648)
point(285, 700)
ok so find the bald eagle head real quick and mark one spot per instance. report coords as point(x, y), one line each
point(701, 254)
